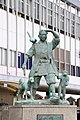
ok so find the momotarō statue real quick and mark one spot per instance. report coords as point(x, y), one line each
point(43, 64)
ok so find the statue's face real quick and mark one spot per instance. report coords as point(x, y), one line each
point(43, 36)
point(64, 73)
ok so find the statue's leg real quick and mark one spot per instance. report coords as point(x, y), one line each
point(64, 92)
point(35, 86)
point(59, 90)
point(25, 94)
point(50, 78)
point(52, 89)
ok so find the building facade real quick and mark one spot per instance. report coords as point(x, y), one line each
point(19, 16)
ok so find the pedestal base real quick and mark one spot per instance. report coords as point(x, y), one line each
point(43, 112)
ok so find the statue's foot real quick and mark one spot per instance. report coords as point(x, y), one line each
point(64, 102)
point(54, 99)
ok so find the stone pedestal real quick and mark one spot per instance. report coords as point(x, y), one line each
point(43, 112)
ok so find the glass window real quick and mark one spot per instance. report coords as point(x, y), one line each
point(21, 61)
point(50, 4)
point(14, 4)
point(73, 16)
point(61, 11)
point(36, 7)
point(62, 22)
point(27, 9)
point(43, 2)
point(61, 55)
point(78, 71)
point(0, 55)
point(10, 3)
point(67, 56)
point(68, 25)
point(12, 58)
point(29, 63)
point(4, 57)
point(62, 67)
point(68, 14)
point(49, 17)
point(68, 68)
point(72, 70)
point(43, 14)
point(57, 7)
point(21, 6)
point(72, 30)
point(78, 30)
point(5, 2)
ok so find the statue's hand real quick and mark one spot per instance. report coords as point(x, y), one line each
point(31, 79)
point(24, 69)
point(23, 66)
point(33, 40)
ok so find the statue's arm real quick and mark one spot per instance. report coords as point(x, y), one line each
point(54, 33)
point(28, 55)
point(32, 39)
point(55, 40)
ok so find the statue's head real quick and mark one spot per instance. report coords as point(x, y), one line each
point(65, 73)
point(42, 35)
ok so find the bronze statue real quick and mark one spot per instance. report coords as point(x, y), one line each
point(22, 89)
point(43, 64)
point(64, 79)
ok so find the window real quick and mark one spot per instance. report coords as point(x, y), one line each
point(54, 19)
point(67, 56)
point(61, 55)
point(77, 71)
point(29, 63)
point(21, 6)
point(72, 30)
point(50, 5)
point(43, 14)
point(68, 14)
point(43, 2)
point(61, 11)
point(4, 56)
point(68, 68)
point(62, 67)
point(72, 16)
point(12, 58)
point(49, 13)
point(0, 55)
point(72, 70)
point(28, 7)
point(62, 22)
point(43, 7)
point(3, 2)
point(36, 7)
point(68, 25)
point(49, 17)
point(21, 61)
point(78, 30)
